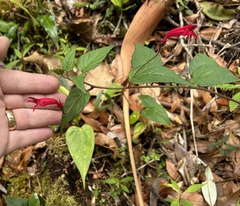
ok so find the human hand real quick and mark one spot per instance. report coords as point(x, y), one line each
point(15, 89)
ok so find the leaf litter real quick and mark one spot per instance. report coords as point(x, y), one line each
point(216, 128)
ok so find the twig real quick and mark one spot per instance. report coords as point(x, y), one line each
point(143, 166)
point(221, 44)
point(171, 21)
point(118, 24)
point(192, 123)
point(189, 56)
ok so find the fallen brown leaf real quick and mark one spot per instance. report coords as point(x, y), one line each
point(100, 76)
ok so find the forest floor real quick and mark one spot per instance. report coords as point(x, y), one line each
point(200, 147)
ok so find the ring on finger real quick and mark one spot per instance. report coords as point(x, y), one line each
point(11, 119)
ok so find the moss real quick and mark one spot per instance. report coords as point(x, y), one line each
point(57, 193)
point(58, 147)
point(22, 186)
point(5, 5)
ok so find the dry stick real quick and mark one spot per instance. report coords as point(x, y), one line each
point(142, 26)
point(191, 91)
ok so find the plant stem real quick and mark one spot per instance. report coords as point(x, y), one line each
point(165, 86)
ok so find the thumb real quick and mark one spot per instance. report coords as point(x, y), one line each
point(4, 44)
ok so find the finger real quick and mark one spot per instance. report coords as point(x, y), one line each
point(18, 82)
point(3, 125)
point(4, 44)
point(27, 119)
point(3, 129)
point(23, 138)
point(14, 101)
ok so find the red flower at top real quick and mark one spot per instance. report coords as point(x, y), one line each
point(180, 31)
point(45, 102)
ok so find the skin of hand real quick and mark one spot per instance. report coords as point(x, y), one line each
point(15, 88)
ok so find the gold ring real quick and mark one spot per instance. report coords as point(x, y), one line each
point(11, 120)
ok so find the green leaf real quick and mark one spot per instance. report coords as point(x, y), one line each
point(98, 106)
point(128, 7)
point(79, 81)
point(92, 59)
point(9, 29)
point(81, 4)
point(186, 202)
point(107, 96)
point(193, 188)
point(154, 111)
point(80, 143)
point(111, 181)
point(222, 140)
point(126, 179)
point(68, 61)
point(36, 200)
point(41, 200)
point(12, 32)
point(98, 102)
point(64, 83)
point(134, 117)
point(216, 11)
point(64, 47)
point(224, 152)
point(113, 92)
point(124, 188)
point(139, 128)
point(175, 186)
point(175, 202)
point(18, 53)
point(11, 64)
point(48, 22)
point(26, 49)
point(119, 3)
point(149, 70)
point(206, 72)
point(92, 6)
point(15, 201)
point(234, 105)
point(231, 147)
point(63, 90)
point(74, 104)
point(168, 199)
point(56, 71)
point(5, 26)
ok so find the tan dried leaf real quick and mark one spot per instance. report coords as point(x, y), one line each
point(105, 141)
point(153, 92)
point(220, 61)
point(116, 68)
point(48, 62)
point(194, 198)
point(172, 170)
point(134, 102)
point(95, 124)
point(100, 76)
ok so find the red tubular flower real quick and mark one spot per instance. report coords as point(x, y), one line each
point(180, 31)
point(44, 102)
